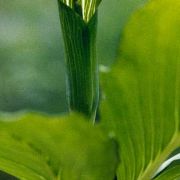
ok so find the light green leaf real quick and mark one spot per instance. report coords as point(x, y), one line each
point(37, 147)
point(142, 93)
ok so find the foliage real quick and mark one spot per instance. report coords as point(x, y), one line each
point(171, 173)
point(143, 110)
point(39, 147)
point(140, 109)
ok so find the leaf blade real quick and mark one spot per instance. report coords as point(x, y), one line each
point(141, 104)
point(171, 172)
point(20, 160)
point(46, 147)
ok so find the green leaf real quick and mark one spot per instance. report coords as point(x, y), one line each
point(171, 173)
point(141, 106)
point(167, 164)
point(86, 8)
point(37, 147)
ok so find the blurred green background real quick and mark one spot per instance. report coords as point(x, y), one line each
point(32, 65)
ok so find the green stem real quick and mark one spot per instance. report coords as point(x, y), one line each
point(82, 66)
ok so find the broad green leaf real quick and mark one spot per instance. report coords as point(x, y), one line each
point(86, 8)
point(37, 147)
point(141, 106)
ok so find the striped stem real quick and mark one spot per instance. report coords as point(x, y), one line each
point(82, 66)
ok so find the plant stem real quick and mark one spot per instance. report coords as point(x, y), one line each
point(82, 66)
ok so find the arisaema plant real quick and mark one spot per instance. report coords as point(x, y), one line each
point(140, 104)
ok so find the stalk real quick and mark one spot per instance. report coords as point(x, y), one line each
point(81, 63)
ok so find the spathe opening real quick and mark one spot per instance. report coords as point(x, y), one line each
point(84, 8)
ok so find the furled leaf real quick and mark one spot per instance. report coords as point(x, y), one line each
point(142, 93)
point(86, 8)
point(37, 147)
point(81, 62)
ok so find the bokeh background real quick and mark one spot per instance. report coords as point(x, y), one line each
point(32, 62)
